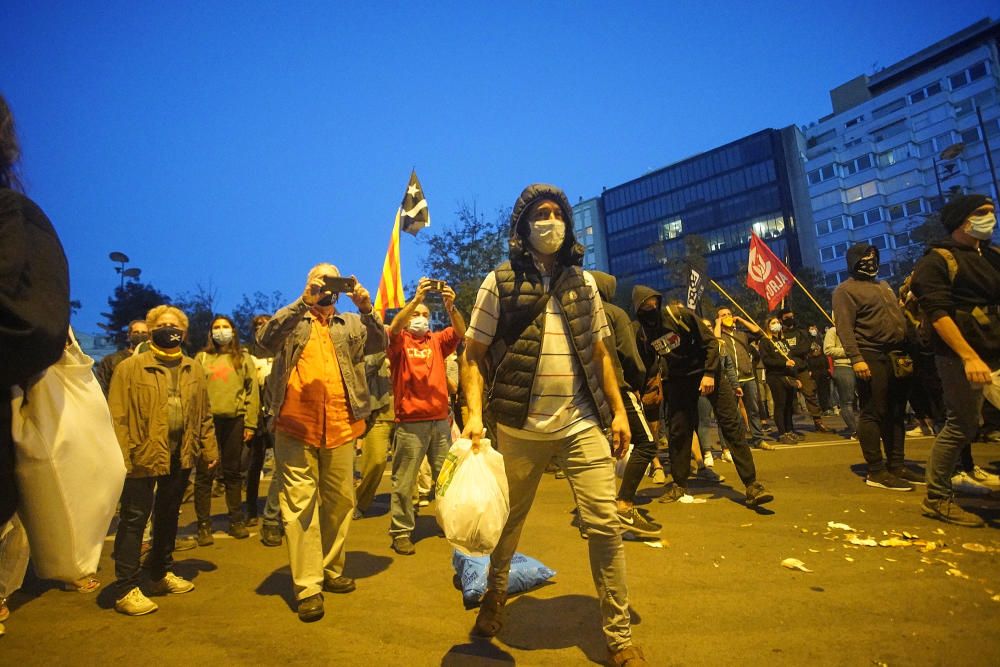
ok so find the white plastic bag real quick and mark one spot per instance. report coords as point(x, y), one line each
point(472, 497)
point(69, 467)
point(622, 463)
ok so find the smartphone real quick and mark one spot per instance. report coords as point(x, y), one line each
point(339, 284)
point(436, 285)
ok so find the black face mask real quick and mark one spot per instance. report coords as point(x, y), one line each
point(137, 337)
point(788, 322)
point(867, 267)
point(167, 338)
point(648, 318)
point(325, 300)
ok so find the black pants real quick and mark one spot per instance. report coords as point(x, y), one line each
point(926, 393)
point(682, 417)
point(141, 496)
point(883, 413)
point(254, 464)
point(823, 390)
point(643, 447)
point(229, 435)
point(784, 402)
point(809, 393)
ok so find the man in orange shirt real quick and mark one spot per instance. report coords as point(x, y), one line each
point(420, 389)
point(318, 394)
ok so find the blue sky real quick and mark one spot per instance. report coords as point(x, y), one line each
point(237, 144)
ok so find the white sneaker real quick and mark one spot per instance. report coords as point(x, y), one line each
point(709, 460)
point(915, 432)
point(984, 477)
point(135, 604)
point(727, 456)
point(965, 485)
point(659, 477)
point(171, 584)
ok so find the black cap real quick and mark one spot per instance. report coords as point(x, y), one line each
point(955, 212)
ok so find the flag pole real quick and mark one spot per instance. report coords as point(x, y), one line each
point(815, 303)
point(724, 293)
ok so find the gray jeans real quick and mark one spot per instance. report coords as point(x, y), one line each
point(586, 459)
point(414, 441)
point(963, 403)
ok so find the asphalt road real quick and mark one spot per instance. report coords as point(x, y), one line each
point(715, 593)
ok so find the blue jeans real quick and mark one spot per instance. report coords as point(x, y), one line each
point(752, 405)
point(843, 377)
point(963, 404)
point(414, 441)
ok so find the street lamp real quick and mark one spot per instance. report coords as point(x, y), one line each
point(122, 259)
point(949, 154)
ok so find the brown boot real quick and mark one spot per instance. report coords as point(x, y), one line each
point(630, 656)
point(489, 620)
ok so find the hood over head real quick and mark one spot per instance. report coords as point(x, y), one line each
point(958, 209)
point(855, 254)
point(606, 285)
point(571, 252)
point(640, 293)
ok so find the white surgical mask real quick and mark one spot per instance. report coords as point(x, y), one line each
point(547, 236)
point(775, 327)
point(222, 336)
point(981, 226)
point(418, 325)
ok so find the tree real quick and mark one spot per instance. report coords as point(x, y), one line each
point(922, 235)
point(464, 251)
point(677, 269)
point(130, 302)
point(199, 306)
point(250, 307)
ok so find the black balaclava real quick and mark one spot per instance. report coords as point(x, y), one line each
point(863, 261)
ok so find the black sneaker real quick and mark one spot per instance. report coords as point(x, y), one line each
point(270, 536)
point(311, 608)
point(341, 585)
point(185, 542)
point(238, 529)
point(403, 545)
point(883, 479)
point(910, 476)
point(945, 509)
point(758, 495)
point(788, 439)
point(205, 538)
point(673, 493)
point(637, 524)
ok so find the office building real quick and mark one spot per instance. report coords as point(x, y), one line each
point(588, 224)
point(755, 184)
point(896, 142)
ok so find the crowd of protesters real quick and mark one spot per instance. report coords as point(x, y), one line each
point(552, 371)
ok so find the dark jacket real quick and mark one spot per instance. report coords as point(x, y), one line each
point(799, 343)
point(867, 312)
point(737, 346)
point(976, 285)
point(629, 368)
point(106, 368)
point(34, 313)
point(687, 346)
point(776, 363)
point(285, 335)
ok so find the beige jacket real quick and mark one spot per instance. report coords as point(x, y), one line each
point(138, 402)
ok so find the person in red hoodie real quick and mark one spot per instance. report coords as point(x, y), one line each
point(420, 390)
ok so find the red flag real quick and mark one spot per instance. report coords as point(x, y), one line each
point(766, 274)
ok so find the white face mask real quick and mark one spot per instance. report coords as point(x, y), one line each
point(418, 325)
point(775, 327)
point(981, 226)
point(547, 236)
point(222, 336)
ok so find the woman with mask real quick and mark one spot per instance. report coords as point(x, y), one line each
point(235, 400)
point(160, 409)
point(781, 379)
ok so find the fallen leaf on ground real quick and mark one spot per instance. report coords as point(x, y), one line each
point(795, 564)
point(815, 551)
point(863, 542)
point(895, 542)
point(891, 560)
point(978, 548)
point(955, 572)
point(745, 525)
point(841, 526)
point(996, 598)
point(848, 559)
point(937, 531)
point(658, 544)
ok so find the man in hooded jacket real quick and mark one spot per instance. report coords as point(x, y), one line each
point(536, 341)
point(872, 328)
point(690, 352)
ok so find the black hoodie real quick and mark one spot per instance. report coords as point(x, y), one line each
point(867, 311)
point(691, 348)
point(571, 252)
point(629, 367)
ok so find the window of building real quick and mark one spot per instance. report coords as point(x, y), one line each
point(906, 209)
point(833, 251)
point(968, 75)
point(992, 127)
point(902, 182)
point(824, 173)
point(834, 224)
point(858, 192)
point(826, 200)
point(865, 218)
point(854, 121)
point(881, 242)
point(887, 109)
point(896, 155)
point(942, 141)
point(925, 92)
point(671, 229)
point(858, 164)
point(890, 130)
point(901, 240)
point(971, 136)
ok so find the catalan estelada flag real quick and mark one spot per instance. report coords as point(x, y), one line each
point(390, 287)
